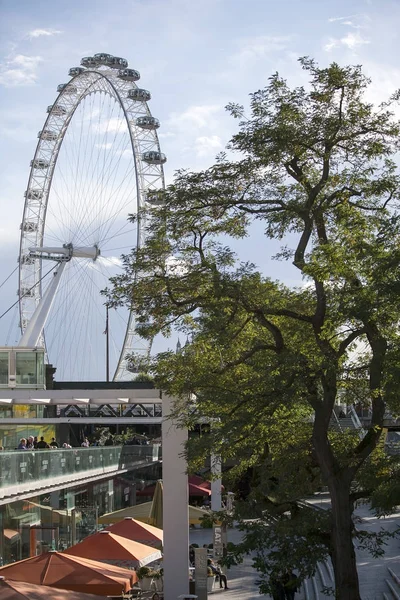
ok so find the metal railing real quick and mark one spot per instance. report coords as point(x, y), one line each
point(27, 469)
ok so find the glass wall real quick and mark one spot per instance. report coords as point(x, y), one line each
point(57, 520)
point(22, 367)
point(4, 368)
point(29, 368)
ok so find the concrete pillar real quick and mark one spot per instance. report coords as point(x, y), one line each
point(216, 503)
point(175, 507)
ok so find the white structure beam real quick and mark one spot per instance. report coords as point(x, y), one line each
point(175, 506)
point(80, 396)
point(38, 320)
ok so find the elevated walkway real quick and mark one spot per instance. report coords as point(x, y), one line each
point(24, 473)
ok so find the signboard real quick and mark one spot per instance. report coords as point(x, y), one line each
point(200, 564)
point(220, 540)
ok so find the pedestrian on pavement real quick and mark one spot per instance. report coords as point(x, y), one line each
point(289, 580)
point(276, 585)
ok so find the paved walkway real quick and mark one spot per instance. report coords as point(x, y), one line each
point(372, 571)
point(241, 579)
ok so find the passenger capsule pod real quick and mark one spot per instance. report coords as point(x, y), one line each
point(27, 259)
point(47, 134)
point(119, 63)
point(153, 157)
point(67, 88)
point(89, 61)
point(104, 59)
point(29, 226)
point(75, 71)
point(154, 198)
point(33, 194)
point(147, 122)
point(139, 94)
point(26, 292)
point(57, 110)
point(129, 75)
point(39, 163)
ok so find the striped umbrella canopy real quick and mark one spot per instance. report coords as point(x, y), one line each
point(137, 531)
point(141, 513)
point(17, 590)
point(58, 570)
point(156, 510)
point(114, 549)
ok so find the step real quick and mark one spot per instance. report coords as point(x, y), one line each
point(395, 594)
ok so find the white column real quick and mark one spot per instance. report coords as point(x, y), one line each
point(175, 507)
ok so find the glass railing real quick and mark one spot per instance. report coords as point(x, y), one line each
point(27, 467)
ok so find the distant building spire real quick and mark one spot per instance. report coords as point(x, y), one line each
point(178, 346)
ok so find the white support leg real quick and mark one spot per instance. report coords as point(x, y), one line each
point(175, 507)
point(36, 324)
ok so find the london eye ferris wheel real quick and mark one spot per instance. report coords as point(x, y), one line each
point(97, 160)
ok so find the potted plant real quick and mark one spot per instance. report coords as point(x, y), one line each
point(158, 580)
point(145, 578)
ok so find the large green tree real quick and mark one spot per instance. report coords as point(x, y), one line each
point(316, 166)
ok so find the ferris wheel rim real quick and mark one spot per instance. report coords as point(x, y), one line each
point(64, 121)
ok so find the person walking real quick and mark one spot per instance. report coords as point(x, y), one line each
point(289, 580)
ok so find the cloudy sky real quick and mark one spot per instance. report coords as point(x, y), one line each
point(195, 57)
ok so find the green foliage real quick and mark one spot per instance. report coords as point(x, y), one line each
point(267, 361)
point(143, 572)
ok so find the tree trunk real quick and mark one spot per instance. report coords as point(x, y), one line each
point(343, 553)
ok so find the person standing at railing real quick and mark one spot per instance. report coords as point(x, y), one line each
point(53, 443)
point(22, 444)
point(41, 445)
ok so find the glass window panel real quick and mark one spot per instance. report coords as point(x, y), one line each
point(26, 368)
point(3, 368)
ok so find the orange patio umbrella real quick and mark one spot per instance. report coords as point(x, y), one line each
point(17, 590)
point(141, 513)
point(156, 509)
point(137, 531)
point(58, 570)
point(114, 549)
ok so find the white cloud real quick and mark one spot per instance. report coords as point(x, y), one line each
point(206, 145)
point(259, 48)
point(112, 125)
point(107, 262)
point(334, 19)
point(19, 70)
point(107, 146)
point(43, 32)
point(350, 41)
point(194, 117)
